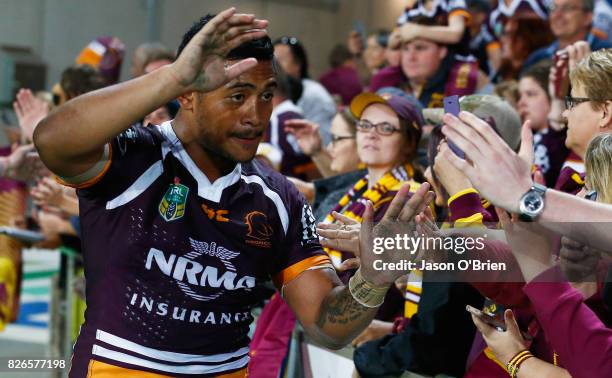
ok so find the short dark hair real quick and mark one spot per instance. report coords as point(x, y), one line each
point(539, 73)
point(298, 51)
point(260, 48)
point(339, 54)
point(80, 79)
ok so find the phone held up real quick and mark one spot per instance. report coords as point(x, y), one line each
point(451, 105)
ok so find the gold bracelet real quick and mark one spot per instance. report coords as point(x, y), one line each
point(510, 363)
point(516, 361)
point(366, 293)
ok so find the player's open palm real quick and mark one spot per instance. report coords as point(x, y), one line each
point(202, 64)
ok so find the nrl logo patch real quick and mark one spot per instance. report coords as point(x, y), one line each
point(172, 205)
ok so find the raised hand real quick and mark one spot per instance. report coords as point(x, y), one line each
point(526, 150)
point(30, 111)
point(342, 235)
point(497, 172)
point(410, 31)
point(202, 64)
point(307, 135)
point(452, 179)
point(22, 164)
point(504, 345)
point(398, 220)
point(577, 52)
point(47, 193)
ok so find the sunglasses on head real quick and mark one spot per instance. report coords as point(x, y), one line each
point(289, 41)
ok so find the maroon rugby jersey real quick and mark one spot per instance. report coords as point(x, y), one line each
point(440, 11)
point(500, 15)
point(174, 263)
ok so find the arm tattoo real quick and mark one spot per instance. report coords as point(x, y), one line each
point(341, 308)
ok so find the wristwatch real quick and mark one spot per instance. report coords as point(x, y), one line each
point(532, 203)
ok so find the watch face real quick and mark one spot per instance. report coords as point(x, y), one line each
point(533, 203)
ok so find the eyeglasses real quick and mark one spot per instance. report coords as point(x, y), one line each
point(383, 128)
point(571, 102)
point(564, 8)
point(337, 138)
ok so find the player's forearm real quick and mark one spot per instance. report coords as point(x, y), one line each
point(341, 319)
point(82, 126)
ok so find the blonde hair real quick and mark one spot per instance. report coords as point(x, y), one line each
point(598, 164)
point(594, 74)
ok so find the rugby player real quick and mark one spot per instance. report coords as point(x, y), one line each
point(180, 227)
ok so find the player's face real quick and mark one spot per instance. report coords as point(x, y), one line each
point(232, 119)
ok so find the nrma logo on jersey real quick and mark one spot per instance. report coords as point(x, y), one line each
point(172, 205)
point(192, 276)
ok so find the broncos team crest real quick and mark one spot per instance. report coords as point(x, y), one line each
point(172, 205)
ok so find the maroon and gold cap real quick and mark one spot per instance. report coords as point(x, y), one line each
point(400, 105)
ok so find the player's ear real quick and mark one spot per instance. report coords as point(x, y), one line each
point(187, 100)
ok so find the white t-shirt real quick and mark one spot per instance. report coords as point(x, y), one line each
point(318, 106)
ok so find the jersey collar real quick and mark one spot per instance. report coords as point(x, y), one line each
point(206, 189)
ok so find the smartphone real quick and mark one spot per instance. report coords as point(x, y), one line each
point(488, 319)
point(493, 321)
point(451, 105)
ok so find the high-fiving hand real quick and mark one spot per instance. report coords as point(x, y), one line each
point(30, 110)
point(398, 220)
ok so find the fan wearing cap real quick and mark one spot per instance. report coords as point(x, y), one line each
point(105, 54)
point(388, 131)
